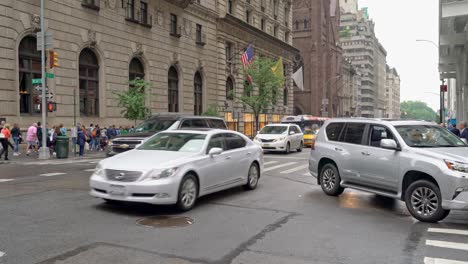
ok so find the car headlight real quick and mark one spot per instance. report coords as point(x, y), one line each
point(456, 165)
point(100, 171)
point(279, 139)
point(161, 174)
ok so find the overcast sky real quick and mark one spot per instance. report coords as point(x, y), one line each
point(398, 23)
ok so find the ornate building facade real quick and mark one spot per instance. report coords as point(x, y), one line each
point(189, 51)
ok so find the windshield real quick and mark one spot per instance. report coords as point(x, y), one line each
point(276, 130)
point(427, 136)
point(154, 125)
point(181, 142)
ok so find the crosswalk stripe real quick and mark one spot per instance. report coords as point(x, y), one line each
point(452, 245)
point(298, 168)
point(270, 162)
point(2, 254)
point(90, 170)
point(448, 231)
point(52, 174)
point(5, 180)
point(280, 166)
point(442, 261)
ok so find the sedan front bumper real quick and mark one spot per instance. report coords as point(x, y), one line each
point(272, 146)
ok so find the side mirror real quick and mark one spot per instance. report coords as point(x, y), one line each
point(388, 144)
point(215, 151)
point(292, 133)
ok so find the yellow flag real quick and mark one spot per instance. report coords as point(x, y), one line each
point(278, 70)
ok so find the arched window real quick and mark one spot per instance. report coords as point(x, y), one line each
point(198, 94)
point(173, 90)
point(136, 70)
point(229, 89)
point(285, 96)
point(29, 68)
point(89, 83)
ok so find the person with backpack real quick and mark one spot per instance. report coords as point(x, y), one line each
point(96, 138)
point(81, 140)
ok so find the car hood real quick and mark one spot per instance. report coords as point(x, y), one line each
point(455, 154)
point(145, 160)
point(136, 135)
point(270, 136)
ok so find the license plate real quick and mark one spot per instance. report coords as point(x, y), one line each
point(117, 190)
point(266, 145)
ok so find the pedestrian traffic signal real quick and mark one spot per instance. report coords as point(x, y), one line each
point(51, 106)
point(443, 88)
point(53, 59)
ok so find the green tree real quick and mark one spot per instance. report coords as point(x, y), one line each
point(264, 89)
point(417, 110)
point(211, 111)
point(133, 100)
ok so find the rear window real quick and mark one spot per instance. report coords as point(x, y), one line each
point(194, 123)
point(354, 132)
point(217, 123)
point(333, 131)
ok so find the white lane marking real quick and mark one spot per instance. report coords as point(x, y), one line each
point(52, 174)
point(448, 231)
point(5, 180)
point(443, 244)
point(93, 162)
point(442, 261)
point(2, 254)
point(279, 166)
point(90, 170)
point(278, 157)
point(270, 162)
point(298, 168)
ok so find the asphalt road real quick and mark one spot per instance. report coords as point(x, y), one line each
point(47, 217)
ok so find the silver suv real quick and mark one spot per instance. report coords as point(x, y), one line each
point(418, 162)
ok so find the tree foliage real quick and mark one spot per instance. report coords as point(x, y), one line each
point(132, 100)
point(265, 87)
point(211, 111)
point(417, 110)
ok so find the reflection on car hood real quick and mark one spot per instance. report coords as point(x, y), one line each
point(270, 136)
point(145, 160)
point(455, 153)
point(136, 135)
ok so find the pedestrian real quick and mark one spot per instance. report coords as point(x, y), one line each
point(53, 139)
point(90, 140)
point(5, 140)
point(455, 130)
point(97, 138)
point(16, 134)
point(63, 130)
point(463, 131)
point(31, 138)
point(2, 124)
point(39, 135)
point(74, 135)
point(81, 140)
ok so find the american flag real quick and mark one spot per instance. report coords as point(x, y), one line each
point(247, 56)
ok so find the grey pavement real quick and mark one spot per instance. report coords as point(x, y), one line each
point(49, 218)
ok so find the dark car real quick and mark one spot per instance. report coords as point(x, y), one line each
point(158, 123)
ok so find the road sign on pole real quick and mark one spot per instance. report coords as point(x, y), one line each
point(36, 81)
point(49, 40)
point(38, 88)
point(49, 95)
point(49, 75)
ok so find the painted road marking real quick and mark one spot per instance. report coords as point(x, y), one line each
point(279, 166)
point(270, 162)
point(2, 254)
point(90, 170)
point(443, 244)
point(448, 231)
point(298, 168)
point(52, 174)
point(442, 261)
point(278, 157)
point(93, 162)
point(5, 180)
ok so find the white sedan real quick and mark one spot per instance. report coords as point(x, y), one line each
point(280, 137)
point(178, 167)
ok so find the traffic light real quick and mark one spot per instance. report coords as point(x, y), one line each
point(51, 106)
point(53, 59)
point(443, 88)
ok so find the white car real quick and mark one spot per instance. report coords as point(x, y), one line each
point(177, 167)
point(280, 137)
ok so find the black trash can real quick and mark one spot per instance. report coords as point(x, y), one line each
point(61, 147)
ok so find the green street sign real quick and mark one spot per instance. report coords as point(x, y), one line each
point(49, 75)
point(36, 81)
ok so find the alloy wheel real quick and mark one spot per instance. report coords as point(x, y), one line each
point(424, 201)
point(329, 179)
point(188, 193)
point(253, 176)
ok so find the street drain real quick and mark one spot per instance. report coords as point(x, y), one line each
point(165, 221)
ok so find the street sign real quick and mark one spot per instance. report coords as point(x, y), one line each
point(36, 81)
point(49, 40)
point(38, 88)
point(49, 95)
point(49, 75)
point(324, 101)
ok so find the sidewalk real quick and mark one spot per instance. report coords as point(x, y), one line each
point(33, 158)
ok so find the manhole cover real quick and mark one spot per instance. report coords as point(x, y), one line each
point(165, 221)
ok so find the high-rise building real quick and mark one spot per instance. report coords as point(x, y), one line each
point(392, 93)
point(315, 34)
point(349, 91)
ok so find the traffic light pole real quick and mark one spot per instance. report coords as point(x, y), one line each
point(442, 102)
point(44, 152)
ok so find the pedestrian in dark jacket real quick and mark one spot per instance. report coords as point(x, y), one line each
point(81, 140)
point(16, 135)
point(463, 130)
point(455, 130)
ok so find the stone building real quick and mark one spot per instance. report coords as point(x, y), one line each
point(392, 93)
point(361, 46)
point(189, 50)
point(315, 34)
point(349, 91)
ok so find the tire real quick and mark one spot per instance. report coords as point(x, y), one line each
point(330, 180)
point(424, 202)
point(188, 193)
point(288, 148)
point(300, 147)
point(253, 177)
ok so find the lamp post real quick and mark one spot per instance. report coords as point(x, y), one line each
point(442, 99)
point(44, 153)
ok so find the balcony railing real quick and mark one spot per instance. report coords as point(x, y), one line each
point(91, 4)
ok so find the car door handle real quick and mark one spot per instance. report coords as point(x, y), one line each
point(228, 157)
point(338, 149)
point(249, 153)
point(365, 153)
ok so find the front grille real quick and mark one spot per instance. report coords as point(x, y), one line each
point(269, 148)
point(122, 175)
point(126, 141)
point(267, 140)
point(120, 150)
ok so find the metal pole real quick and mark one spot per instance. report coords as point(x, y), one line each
point(441, 104)
point(74, 119)
point(44, 153)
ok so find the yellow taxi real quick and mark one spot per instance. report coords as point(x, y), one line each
point(309, 137)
